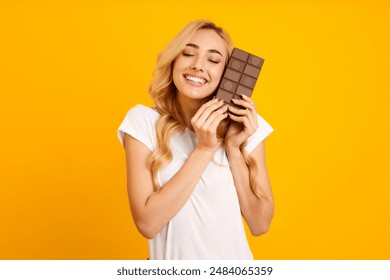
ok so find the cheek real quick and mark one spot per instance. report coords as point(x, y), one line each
point(176, 78)
point(178, 66)
point(217, 73)
point(175, 72)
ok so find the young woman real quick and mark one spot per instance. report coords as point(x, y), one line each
point(194, 165)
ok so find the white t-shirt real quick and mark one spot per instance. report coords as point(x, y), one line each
point(209, 225)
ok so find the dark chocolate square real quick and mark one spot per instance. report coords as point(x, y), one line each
point(244, 90)
point(256, 61)
point(229, 85)
point(248, 81)
point(236, 64)
point(252, 71)
point(232, 75)
point(240, 54)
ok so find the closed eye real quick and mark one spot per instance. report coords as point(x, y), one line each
point(214, 61)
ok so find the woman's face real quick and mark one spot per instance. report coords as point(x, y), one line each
point(198, 69)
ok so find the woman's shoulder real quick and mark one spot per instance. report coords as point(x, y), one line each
point(139, 122)
point(143, 110)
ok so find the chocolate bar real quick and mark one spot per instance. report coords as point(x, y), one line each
point(240, 76)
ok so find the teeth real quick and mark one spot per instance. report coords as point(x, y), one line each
point(196, 79)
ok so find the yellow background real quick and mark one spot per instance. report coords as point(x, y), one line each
point(70, 70)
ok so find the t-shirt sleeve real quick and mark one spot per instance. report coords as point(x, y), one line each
point(260, 134)
point(138, 123)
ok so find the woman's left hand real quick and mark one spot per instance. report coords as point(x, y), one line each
point(244, 122)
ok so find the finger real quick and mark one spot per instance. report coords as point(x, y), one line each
point(254, 111)
point(248, 128)
point(243, 112)
point(207, 111)
point(203, 107)
point(216, 121)
point(250, 106)
point(247, 98)
point(241, 119)
point(238, 110)
point(246, 104)
point(215, 114)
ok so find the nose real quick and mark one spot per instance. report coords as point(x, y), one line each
point(197, 64)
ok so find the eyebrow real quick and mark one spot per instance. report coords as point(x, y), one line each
point(197, 47)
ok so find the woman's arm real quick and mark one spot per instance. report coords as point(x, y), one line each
point(257, 211)
point(152, 209)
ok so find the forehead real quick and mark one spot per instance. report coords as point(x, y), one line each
point(208, 39)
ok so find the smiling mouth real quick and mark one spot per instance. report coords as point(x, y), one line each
point(195, 79)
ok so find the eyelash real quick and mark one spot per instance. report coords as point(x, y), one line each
point(212, 61)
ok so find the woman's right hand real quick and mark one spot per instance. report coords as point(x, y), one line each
point(205, 123)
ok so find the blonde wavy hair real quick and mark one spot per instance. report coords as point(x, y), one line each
point(163, 92)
